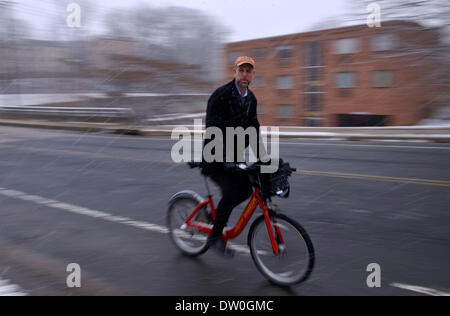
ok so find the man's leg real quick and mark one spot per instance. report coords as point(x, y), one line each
point(236, 188)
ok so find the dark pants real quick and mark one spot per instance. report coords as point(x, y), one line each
point(236, 188)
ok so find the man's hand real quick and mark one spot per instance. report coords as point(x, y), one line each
point(229, 166)
point(270, 161)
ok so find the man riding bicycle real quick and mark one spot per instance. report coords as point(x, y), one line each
point(232, 105)
point(279, 246)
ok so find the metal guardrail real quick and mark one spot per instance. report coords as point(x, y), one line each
point(124, 120)
point(433, 134)
point(68, 113)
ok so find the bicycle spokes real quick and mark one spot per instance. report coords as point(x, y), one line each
point(294, 260)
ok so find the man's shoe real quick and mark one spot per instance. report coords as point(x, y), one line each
point(219, 247)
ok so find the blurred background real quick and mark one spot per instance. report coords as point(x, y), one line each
point(359, 89)
point(318, 64)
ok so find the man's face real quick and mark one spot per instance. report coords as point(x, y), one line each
point(244, 75)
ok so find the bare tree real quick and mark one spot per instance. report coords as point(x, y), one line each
point(12, 27)
point(186, 35)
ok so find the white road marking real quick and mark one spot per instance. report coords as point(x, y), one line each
point(83, 211)
point(243, 249)
point(97, 214)
point(420, 289)
point(7, 289)
point(13, 290)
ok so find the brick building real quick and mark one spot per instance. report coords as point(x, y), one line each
point(350, 76)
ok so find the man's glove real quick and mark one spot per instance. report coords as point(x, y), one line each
point(229, 166)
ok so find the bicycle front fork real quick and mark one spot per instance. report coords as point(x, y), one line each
point(274, 240)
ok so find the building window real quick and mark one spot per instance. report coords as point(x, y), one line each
point(313, 54)
point(285, 51)
point(285, 111)
point(314, 74)
point(285, 82)
point(313, 98)
point(234, 55)
point(313, 61)
point(345, 80)
point(313, 121)
point(259, 82)
point(259, 53)
point(313, 102)
point(346, 46)
point(261, 108)
point(382, 78)
point(383, 42)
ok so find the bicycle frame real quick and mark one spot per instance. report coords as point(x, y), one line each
point(231, 233)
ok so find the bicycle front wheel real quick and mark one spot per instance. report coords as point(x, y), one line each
point(295, 260)
point(190, 241)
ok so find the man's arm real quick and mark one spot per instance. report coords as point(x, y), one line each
point(215, 111)
point(216, 117)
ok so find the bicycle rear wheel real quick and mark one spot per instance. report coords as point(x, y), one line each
point(190, 241)
point(295, 260)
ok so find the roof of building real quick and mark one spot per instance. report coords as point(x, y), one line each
point(344, 29)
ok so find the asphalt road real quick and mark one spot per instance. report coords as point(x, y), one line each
point(361, 202)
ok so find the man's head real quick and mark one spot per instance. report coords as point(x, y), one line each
point(244, 71)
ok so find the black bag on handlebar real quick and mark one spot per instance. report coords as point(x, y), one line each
point(277, 183)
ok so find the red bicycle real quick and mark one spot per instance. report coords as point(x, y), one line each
point(280, 247)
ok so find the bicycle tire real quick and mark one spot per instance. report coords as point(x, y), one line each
point(259, 255)
point(190, 242)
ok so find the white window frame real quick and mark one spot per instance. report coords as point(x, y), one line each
point(261, 83)
point(261, 49)
point(382, 78)
point(307, 54)
point(285, 47)
point(383, 42)
point(261, 108)
point(349, 82)
point(288, 114)
point(348, 45)
point(285, 82)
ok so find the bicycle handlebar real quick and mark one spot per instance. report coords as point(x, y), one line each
point(231, 166)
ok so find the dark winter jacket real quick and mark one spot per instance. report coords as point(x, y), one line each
point(226, 108)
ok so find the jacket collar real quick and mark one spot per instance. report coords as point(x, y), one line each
point(235, 91)
point(237, 96)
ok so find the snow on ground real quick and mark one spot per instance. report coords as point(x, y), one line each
point(7, 289)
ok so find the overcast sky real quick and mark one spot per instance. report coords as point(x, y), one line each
point(248, 19)
point(245, 19)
